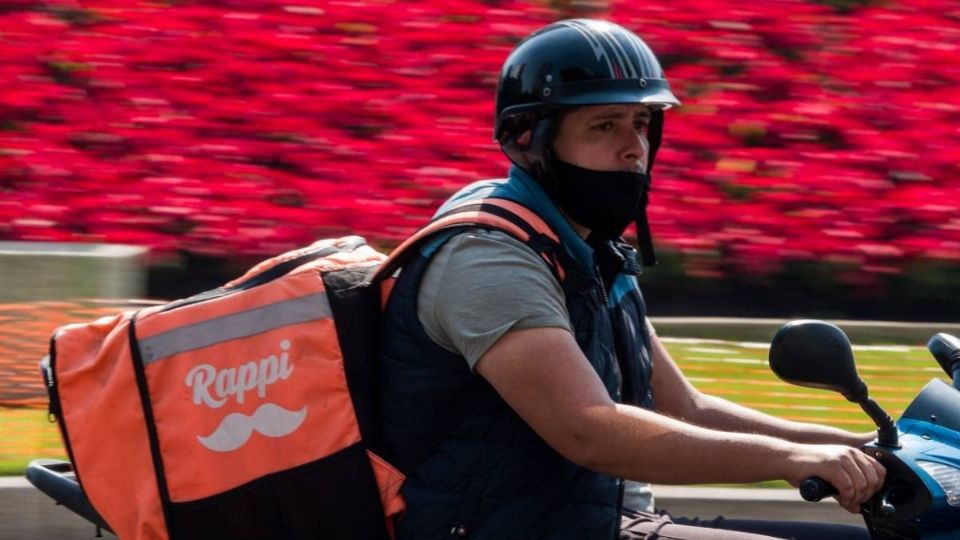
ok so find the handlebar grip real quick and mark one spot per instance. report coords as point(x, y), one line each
point(815, 488)
point(946, 349)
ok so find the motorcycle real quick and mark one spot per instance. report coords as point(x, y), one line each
point(56, 479)
point(920, 497)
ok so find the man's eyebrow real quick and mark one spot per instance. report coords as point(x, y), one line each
point(616, 114)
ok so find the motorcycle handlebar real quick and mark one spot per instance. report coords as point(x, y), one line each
point(815, 488)
point(946, 349)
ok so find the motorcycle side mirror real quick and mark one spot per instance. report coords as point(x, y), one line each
point(816, 354)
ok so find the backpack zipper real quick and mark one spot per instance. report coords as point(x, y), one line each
point(48, 368)
point(53, 401)
point(259, 279)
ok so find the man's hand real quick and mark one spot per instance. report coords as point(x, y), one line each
point(856, 475)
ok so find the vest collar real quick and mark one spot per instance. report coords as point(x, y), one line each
point(520, 187)
point(528, 192)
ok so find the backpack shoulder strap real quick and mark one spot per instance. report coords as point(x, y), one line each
point(499, 214)
point(495, 213)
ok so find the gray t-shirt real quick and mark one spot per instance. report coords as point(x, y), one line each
point(480, 285)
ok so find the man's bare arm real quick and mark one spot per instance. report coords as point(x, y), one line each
point(675, 396)
point(542, 374)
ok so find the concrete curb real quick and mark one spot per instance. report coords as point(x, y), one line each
point(749, 503)
point(14, 482)
point(57, 270)
point(762, 330)
point(729, 494)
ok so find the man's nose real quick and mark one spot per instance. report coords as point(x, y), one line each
point(635, 150)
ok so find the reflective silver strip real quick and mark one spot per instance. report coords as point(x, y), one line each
point(629, 72)
point(651, 66)
point(595, 44)
point(234, 326)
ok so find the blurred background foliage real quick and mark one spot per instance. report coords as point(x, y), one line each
point(810, 171)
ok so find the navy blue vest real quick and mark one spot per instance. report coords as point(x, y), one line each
point(474, 467)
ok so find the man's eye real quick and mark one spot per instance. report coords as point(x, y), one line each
point(606, 126)
point(641, 126)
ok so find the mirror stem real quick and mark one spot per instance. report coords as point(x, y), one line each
point(887, 434)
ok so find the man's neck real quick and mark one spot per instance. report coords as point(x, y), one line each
point(581, 231)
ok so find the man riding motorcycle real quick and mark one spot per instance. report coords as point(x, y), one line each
point(519, 393)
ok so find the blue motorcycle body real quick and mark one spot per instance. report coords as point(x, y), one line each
point(921, 495)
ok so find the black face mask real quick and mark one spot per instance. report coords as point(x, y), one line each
point(605, 202)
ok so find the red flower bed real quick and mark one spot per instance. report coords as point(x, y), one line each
point(242, 127)
point(809, 135)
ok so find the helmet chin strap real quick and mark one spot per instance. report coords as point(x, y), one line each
point(644, 238)
point(644, 235)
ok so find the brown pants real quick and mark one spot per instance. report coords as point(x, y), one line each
point(641, 526)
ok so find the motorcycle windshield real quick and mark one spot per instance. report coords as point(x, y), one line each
point(938, 403)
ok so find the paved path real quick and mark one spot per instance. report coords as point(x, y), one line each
point(27, 514)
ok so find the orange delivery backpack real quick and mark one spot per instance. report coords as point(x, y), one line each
point(250, 410)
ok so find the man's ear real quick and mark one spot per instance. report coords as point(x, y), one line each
point(517, 143)
point(523, 140)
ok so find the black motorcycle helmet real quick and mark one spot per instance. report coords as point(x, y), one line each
point(577, 62)
point(574, 63)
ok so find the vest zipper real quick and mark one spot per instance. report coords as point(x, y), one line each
point(606, 306)
point(621, 485)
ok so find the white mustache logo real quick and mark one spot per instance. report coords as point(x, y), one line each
point(236, 428)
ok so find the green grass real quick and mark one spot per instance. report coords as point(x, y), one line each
point(740, 373)
point(737, 372)
point(26, 434)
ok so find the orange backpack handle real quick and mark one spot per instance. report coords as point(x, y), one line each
point(501, 214)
